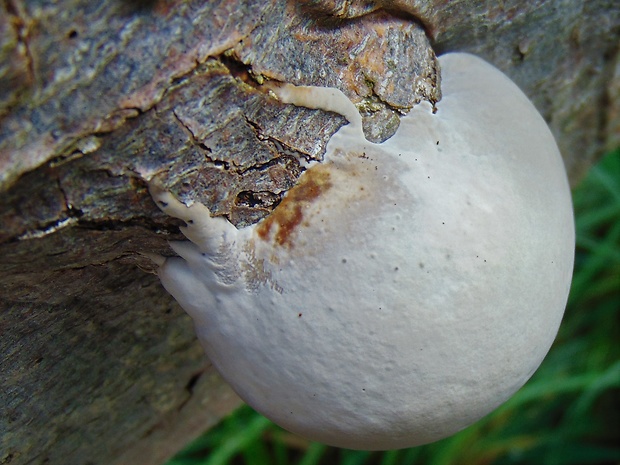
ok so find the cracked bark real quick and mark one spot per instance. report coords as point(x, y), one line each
point(99, 365)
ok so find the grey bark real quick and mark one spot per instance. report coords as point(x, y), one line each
point(98, 364)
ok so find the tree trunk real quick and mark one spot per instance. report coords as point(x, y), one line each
point(99, 365)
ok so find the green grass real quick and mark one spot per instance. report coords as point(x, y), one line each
point(568, 413)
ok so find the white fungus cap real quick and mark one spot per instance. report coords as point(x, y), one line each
point(401, 290)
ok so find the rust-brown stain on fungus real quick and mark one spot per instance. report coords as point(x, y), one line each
point(289, 214)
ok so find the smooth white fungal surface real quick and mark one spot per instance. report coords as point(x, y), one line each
point(402, 290)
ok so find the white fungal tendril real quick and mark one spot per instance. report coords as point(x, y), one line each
point(320, 98)
point(400, 291)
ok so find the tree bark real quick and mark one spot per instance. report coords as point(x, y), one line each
point(99, 365)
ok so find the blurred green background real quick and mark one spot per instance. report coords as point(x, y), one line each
point(568, 413)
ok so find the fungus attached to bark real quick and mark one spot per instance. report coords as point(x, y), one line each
point(401, 290)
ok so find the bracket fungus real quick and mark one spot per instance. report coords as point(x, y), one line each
point(401, 290)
